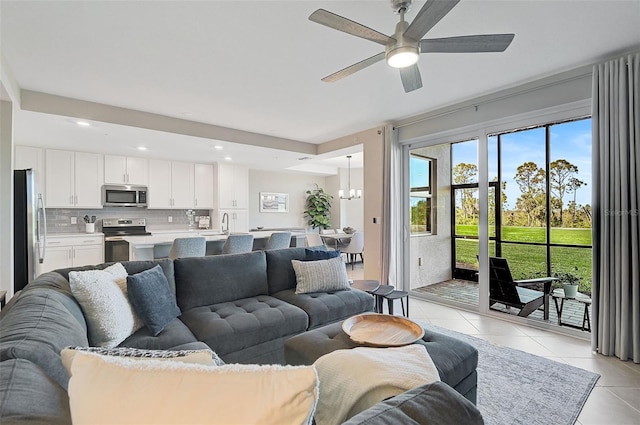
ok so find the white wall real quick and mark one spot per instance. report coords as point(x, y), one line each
point(435, 249)
point(6, 198)
point(295, 184)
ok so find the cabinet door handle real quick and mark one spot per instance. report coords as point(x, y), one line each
point(196, 202)
point(76, 199)
point(124, 178)
point(71, 199)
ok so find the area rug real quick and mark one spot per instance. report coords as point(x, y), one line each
point(515, 387)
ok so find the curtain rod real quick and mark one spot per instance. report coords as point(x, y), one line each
point(507, 96)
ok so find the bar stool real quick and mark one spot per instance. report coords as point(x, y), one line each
point(397, 295)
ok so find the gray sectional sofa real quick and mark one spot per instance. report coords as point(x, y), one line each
point(242, 306)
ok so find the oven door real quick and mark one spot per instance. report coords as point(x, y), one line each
point(116, 250)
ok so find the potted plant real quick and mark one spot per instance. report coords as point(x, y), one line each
point(569, 282)
point(318, 208)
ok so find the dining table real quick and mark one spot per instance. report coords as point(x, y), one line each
point(333, 239)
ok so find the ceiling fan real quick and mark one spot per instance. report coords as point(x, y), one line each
point(404, 47)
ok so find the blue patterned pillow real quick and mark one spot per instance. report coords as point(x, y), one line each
point(151, 298)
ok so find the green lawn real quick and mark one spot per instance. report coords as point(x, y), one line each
point(528, 261)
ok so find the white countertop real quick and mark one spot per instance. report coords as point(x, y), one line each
point(73, 235)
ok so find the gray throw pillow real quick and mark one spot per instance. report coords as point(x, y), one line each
point(320, 276)
point(152, 299)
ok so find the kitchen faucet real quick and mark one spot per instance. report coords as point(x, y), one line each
point(225, 216)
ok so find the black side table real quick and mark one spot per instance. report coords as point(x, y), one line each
point(379, 294)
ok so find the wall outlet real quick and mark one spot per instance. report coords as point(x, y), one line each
point(170, 219)
point(74, 220)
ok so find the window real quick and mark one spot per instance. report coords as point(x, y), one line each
point(422, 198)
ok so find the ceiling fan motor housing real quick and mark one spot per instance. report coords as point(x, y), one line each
point(402, 46)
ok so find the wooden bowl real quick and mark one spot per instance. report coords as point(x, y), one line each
point(382, 330)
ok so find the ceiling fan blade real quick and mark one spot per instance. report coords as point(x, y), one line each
point(353, 68)
point(411, 79)
point(343, 24)
point(430, 14)
point(467, 44)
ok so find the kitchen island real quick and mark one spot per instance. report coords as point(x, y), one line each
point(141, 247)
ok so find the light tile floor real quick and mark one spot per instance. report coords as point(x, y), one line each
point(614, 400)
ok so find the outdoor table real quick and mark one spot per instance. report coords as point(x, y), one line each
point(581, 298)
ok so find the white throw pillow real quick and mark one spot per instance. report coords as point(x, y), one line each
point(320, 276)
point(204, 357)
point(117, 390)
point(109, 315)
point(353, 380)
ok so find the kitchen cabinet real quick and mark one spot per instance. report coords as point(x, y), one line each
point(71, 251)
point(74, 179)
point(170, 184)
point(203, 186)
point(125, 170)
point(31, 157)
point(238, 220)
point(232, 186)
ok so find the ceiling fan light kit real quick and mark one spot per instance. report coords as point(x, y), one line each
point(403, 49)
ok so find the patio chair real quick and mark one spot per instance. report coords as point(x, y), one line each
point(512, 293)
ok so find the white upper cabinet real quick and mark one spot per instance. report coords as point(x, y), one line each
point(74, 179)
point(31, 157)
point(170, 184)
point(203, 186)
point(182, 185)
point(232, 184)
point(125, 170)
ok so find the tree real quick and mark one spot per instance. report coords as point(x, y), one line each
point(530, 180)
point(562, 179)
point(464, 173)
point(573, 185)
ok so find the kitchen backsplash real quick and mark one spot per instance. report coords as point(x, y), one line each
point(59, 219)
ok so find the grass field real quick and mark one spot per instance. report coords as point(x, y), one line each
point(528, 261)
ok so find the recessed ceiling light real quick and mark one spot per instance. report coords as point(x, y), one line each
point(142, 148)
point(227, 158)
point(218, 147)
point(83, 124)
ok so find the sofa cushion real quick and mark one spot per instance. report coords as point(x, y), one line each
point(29, 395)
point(38, 327)
point(320, 276)
point(430, 404)
point(151, 298)
point(202, 281)
point(280, 273)
point(328, 307)
point(176, 333)
point(236, 325)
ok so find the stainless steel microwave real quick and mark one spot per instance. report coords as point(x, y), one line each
point(124, 195)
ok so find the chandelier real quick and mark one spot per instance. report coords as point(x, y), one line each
point(353, 194)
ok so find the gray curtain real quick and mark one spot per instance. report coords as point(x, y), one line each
point(616, 205)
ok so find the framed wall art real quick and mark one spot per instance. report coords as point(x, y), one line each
point(274, 202)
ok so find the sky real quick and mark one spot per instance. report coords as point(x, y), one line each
point(570, 141)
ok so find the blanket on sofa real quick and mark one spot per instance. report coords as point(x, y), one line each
point(353, 380)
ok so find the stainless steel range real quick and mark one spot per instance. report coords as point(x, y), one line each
point(114, 229)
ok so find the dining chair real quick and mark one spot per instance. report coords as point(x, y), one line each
point(236, 244)
point(327, 231)
point(314, 239)
point(162, 250)
point(188, 247)
point(355, 247)
point(278, 240)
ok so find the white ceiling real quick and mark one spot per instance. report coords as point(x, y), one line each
point(256, 66)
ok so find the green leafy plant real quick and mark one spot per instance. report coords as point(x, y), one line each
point(318, 208)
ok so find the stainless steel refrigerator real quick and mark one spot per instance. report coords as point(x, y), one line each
point(30, 228)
